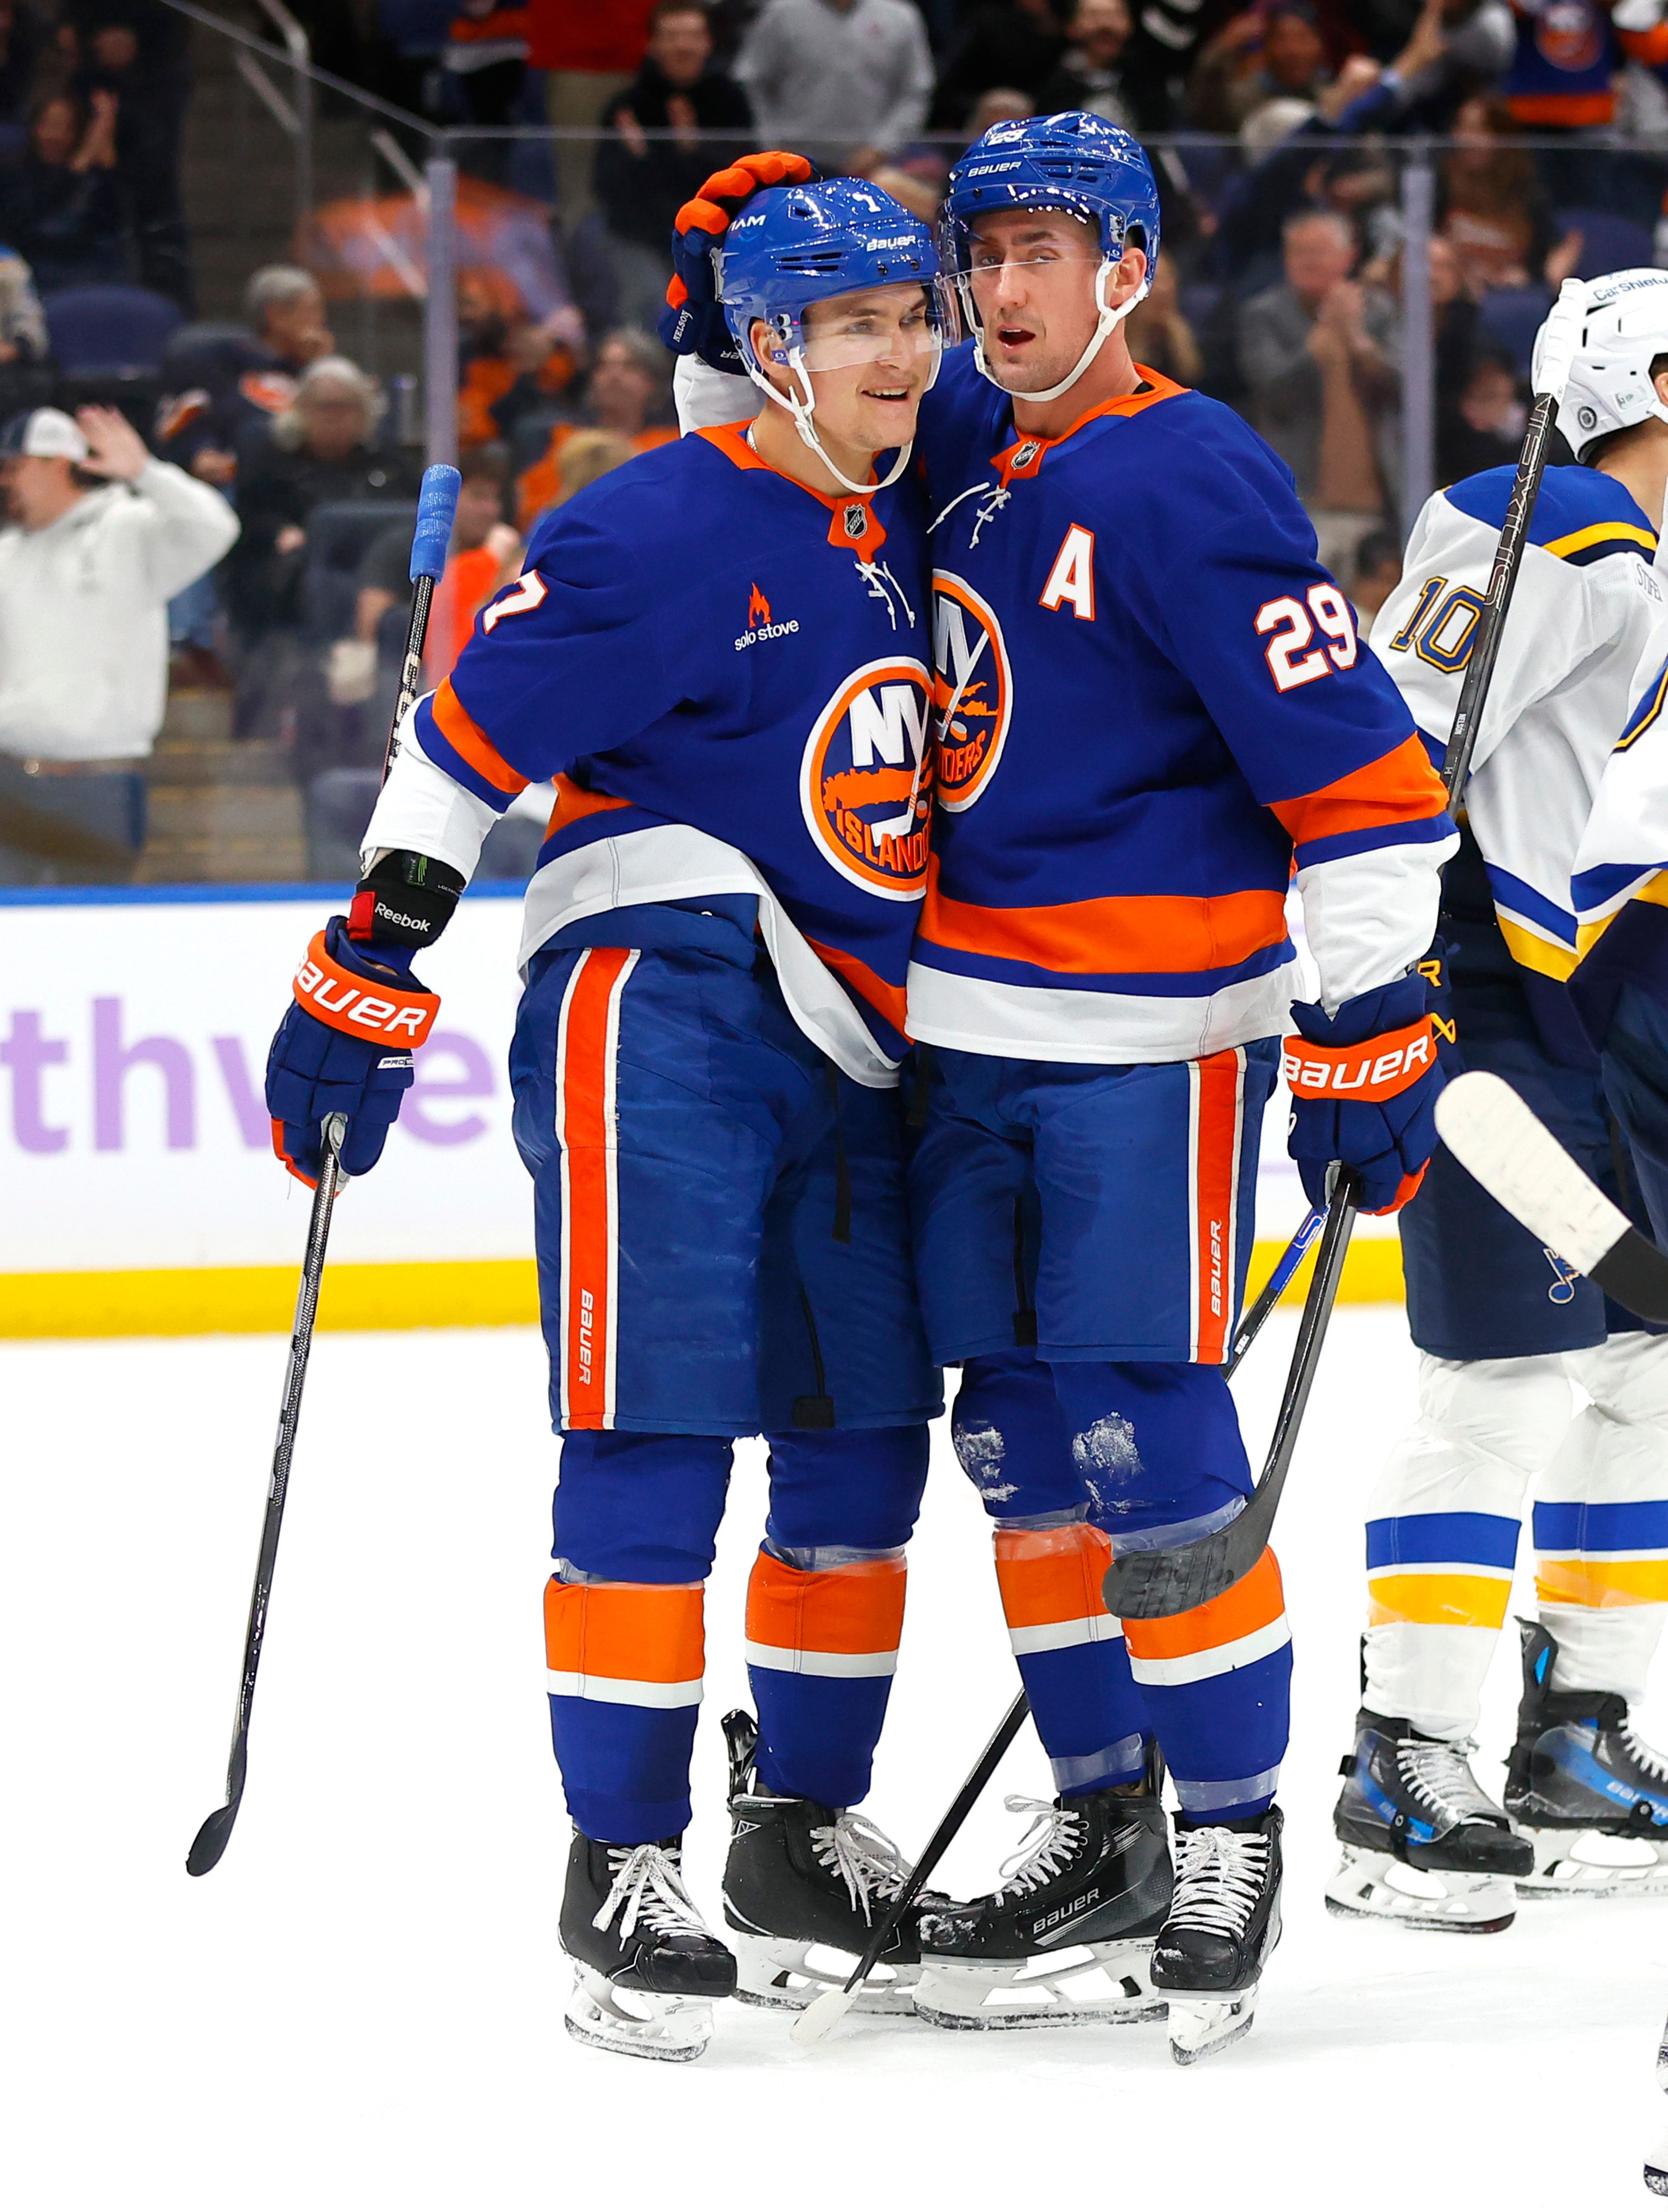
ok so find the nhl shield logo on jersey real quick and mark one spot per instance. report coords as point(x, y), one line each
point(866, 782)
point(973, 689)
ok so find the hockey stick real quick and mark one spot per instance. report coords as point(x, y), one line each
point(437, 504)
point(1272, 1290)
point(1524, 1167)
point(1152, 1585)
point(820, 2018)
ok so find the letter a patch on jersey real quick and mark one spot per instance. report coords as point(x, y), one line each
point(1073, 576)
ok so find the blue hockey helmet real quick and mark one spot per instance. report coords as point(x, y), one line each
point(797, 244)
point(1077, 163)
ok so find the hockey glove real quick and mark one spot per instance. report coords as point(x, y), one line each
point(1364, 1083)
point(692, 320)
point(345, 1047)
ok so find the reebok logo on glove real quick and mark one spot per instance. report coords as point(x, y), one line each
point(348, 1003)
point(1369, 1073)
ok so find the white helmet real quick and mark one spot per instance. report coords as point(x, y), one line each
point(1624, 326)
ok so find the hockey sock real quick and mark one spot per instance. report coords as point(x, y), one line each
point(1601, 1521)
point(825, 1604)
point(1159, 1445)
point(1442, 1533)
point(634, 1520)
point(1013, 1444)
point(821, 1650)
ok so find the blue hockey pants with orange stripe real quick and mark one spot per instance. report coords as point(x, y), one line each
point(1082, 1236)
point(723, 1248)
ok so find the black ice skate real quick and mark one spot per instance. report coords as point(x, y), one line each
point(803, 1888)
point(1423, 1843)
point(1067, 1935)
point(646, 1965)
point(1225, 1920)
point(1590, 1797)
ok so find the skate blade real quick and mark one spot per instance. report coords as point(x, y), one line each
point(1567, 1864)
point(782, 1975)
point(1200, 2027)
point(1374, 1885)
point(1105, 1984)
point(673, 2029)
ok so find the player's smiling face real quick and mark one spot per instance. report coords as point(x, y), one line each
point(1034, 271)
point(870, 355)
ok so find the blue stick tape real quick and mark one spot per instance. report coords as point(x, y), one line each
point(437, 504)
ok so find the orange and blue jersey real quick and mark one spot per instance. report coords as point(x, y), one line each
point(1569, 53)
point(1154, 706)
point(725, 676)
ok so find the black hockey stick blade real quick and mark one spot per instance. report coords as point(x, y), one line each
point(820, 2018)
point(208, 1845)
point(1505, 1146)
point(1152, 1585)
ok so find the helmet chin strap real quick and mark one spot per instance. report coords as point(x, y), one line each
point(1107, 321)
point(802, 408)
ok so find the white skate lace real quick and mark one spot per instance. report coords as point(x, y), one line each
point(1046, 1847)
point(1649, 1762)
point(648, 1887)
point(1439, 1778)
point(1219, 1878)
point(864, 1857)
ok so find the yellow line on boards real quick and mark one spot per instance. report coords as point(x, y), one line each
point(411, 1294)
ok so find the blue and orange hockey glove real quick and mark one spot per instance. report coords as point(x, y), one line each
point(1364, 1083)
point(345, 1047)
point(692, 320)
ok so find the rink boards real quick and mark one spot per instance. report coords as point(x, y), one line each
point(141, 1195)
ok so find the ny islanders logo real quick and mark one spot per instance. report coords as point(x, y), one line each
point(973, 689)
point(866, 782)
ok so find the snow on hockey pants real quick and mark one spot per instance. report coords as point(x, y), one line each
point(1504, 1328)
point(723, 1249)
point(1082, 1238)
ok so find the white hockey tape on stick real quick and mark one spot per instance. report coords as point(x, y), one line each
point(1518, 1161)
point(1560, 340)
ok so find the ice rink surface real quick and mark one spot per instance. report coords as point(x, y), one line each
point(362, 2005)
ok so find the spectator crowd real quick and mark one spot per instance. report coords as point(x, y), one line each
point(1280, 133)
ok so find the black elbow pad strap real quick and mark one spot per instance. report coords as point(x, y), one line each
point(407, 899)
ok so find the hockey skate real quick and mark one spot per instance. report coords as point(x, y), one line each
point(646, 1965)
point(1422, 1844)
point(1224, 1921)
point(803, 1885)
point(1065, 1937)
point(1589, 1794)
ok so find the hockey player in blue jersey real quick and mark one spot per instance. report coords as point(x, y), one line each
point(1153, 703)
point(719, 656)
point(1504, 1327)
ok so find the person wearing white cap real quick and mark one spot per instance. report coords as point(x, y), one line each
point(100, 536)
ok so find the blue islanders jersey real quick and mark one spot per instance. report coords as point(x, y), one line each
point(1152, 705)
point(724, 675)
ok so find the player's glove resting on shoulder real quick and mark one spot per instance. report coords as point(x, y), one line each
point(1364, 1083)
point(692, 320)
point(345, 1047)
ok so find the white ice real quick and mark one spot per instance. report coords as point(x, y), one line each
point(361, 2007)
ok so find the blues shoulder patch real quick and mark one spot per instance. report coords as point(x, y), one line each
point(1579, 517)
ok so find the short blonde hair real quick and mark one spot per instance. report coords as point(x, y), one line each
point(587, 455)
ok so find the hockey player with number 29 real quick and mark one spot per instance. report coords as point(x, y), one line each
point(716, 653)
point(1152, 702)
point(1503, 1326)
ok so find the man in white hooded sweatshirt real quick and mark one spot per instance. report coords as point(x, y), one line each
point(100, 536)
